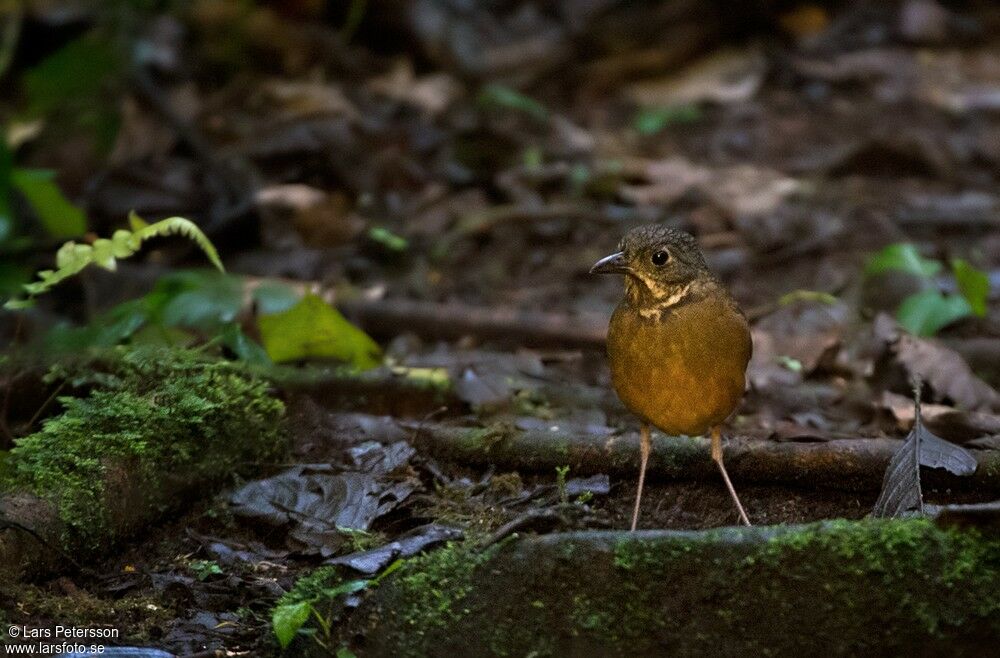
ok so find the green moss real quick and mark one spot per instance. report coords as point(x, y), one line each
point(138, 617)
point(437, 583)
point(149, 415)
point(310, 587)
point(869, 587)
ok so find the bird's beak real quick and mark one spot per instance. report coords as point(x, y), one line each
point(613, 264)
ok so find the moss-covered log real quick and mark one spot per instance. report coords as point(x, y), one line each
point(154, 429)
point(412, 392)
point(833, 588)
point(846, 464)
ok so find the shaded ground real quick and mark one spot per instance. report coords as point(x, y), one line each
point(802, 147)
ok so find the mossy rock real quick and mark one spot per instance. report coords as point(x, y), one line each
point(832, 588)
point(152, 428)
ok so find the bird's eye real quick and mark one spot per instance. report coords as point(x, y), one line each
point(660, 257)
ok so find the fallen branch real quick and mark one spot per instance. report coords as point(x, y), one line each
point(845, 464)
point(450, 321)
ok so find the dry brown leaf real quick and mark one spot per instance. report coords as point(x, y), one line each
point(727, 76)
point(432, 93)
point(794, 341)
point(946, 372)
point(742, 190)
point(320, 219)
point(947, 422)
point(300, 99)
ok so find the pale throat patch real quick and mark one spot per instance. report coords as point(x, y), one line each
point(666, 298)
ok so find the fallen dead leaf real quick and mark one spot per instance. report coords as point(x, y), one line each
point(945, 421)
point(431, 93)
point(727, 76)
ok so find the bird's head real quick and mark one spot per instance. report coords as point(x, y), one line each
point(661, 265)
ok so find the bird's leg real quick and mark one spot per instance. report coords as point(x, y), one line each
point(717, 458)
point(645, 444)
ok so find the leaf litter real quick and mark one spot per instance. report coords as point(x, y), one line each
point(901, 490)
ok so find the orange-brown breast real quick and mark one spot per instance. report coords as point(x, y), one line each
point(684, 371)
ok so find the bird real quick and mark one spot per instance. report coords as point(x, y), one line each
point(678, 343)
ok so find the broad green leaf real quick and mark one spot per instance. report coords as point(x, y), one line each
point(59, 217)
point(502, 96)
point(76, 71)
point(202, 300)
point(973, 284)
point(902, 257)
point(286, 620)
point(245, 349)
point(926, 313)
point(314, 329)
point(651, 120)
point(119, 324)
point(344, 652)
point(274, 297)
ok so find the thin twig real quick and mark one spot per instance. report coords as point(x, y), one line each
point(48, 401)
point(7, 524)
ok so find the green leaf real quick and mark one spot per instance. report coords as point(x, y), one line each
point(72, 257)
point(388, 239)
point(902, 257)
point(205, 569)
point(314, 329)
point(502, 96)
point(926, 313)
point(651, 120)
point(245, 349)
point(347, 587)
point(344, 652)
point(974, 285)
point(198, 299)
point(6, 166)
point(395, 566)
point(59, 217)
point(115, 326)
point(76, 71)
point(12, 277)
point(286, 620)
point(174, 226)
point(274, 297)
point(18, 304)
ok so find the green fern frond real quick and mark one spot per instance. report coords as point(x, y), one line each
point(72, 258)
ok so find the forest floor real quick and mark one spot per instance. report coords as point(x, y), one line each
point(404, 165)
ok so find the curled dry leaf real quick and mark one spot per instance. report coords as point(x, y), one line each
point(946, 372)
point(741, 190)
point(938, 366)
point(794, 341)
point(309, 99)
point(320, 219)
point(728, 76)
point(947, 422)
point(430, 93)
